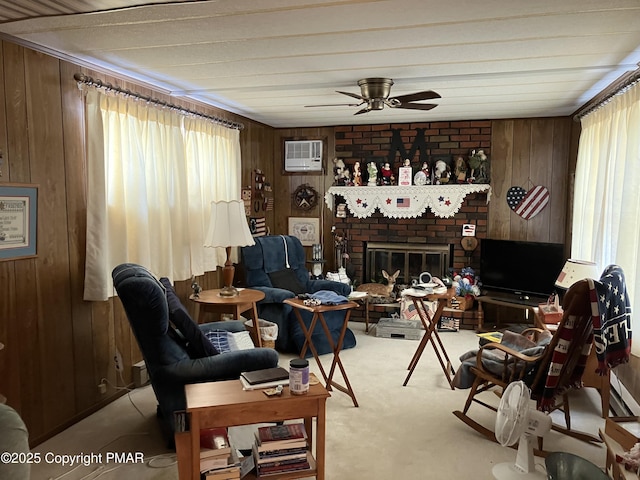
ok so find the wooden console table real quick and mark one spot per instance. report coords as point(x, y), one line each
point(537, 321)
point(226, 404)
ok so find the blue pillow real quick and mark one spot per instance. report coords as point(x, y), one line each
point(198, 346)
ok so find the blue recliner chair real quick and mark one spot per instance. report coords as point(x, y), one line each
point(275, 265)
point(175, 348)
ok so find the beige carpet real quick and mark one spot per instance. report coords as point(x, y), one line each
point(401, 433)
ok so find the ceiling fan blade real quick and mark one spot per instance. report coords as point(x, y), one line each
point(417, 106)
point(337, 105)
point(354, 95)
point(416, 97)
point(364, 110)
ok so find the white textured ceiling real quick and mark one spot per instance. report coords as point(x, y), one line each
point(267, 59)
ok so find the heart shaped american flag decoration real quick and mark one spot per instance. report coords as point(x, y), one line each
point(525, 203)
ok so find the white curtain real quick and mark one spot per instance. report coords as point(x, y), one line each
point(606, 212)
point(152, 175)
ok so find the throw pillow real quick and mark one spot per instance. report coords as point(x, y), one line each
point(287, 280)
point(198, 346)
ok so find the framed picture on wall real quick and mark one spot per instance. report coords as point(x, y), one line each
point(18, 220)
point(306, 229)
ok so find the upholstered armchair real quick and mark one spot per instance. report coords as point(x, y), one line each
point(175, 348)
point(275, 265)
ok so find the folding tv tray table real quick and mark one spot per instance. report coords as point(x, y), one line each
point(318, 314)
point(430, 324)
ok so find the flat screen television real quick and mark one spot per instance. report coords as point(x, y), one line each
point(519, 268)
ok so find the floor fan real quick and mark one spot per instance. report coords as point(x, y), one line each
point(518, 420)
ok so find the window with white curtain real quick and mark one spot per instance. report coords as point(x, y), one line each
point(152, 175)
point(606, 212)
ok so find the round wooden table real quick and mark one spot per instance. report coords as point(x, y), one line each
point(210, 301)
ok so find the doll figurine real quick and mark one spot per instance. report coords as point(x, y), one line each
point(357, 175)
point(460, 169)
point(387, 174)
point(427, 173)
point(372, 170)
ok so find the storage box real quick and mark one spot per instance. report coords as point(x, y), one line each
point(397, 328)
point(624, 431)
point(550, 312)
point(461, 303)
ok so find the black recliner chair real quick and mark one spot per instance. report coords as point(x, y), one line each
point(175, 348)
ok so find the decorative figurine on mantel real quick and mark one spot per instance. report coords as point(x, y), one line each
point(441, 173)
point(460, 169)
point(372, 170)
point(478, 163)
point(341, 175)
point(427, 173)
point(422, 176)
point(387, 175)
point(357, 175)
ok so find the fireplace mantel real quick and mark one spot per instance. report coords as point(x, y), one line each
point(405, 202)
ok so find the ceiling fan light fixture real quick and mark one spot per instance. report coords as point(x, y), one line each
point(376, 104)
point(376, 91)
point(375, 88)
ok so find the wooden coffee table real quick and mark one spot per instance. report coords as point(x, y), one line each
point(226, 404)
point(212, 301)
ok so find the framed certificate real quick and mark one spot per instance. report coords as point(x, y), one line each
point(306, 229)
point(18, 220)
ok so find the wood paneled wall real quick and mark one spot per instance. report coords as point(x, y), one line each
point(525, 153)
point(59, 347)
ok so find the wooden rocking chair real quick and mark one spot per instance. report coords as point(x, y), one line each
point(551, 374)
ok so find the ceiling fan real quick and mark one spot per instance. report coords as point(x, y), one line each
point(375, 94)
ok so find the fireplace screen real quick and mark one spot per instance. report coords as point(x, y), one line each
point(410, 258)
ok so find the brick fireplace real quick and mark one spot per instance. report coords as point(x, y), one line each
point(425, 230)
point(365, 143)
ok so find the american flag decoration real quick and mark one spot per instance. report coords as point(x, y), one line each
point(527, 204)
point(257, 226)
point(404, 202)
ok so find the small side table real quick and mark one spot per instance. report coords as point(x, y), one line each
point(225, 404)
point(318, 313)
point(212, 301)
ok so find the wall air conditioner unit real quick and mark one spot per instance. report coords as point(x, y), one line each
point(303, 155)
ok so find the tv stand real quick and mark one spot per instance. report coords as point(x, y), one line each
point(523, 302)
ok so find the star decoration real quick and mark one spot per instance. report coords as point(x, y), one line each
point(388, 201)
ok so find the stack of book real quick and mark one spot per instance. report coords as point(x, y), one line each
point(265, 378)
point(218, 460)
point(281, 449)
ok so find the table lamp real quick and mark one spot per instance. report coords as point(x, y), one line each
point(228, 228)
point(574, 271)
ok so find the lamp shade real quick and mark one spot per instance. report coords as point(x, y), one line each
point(574, 271)
point(228, 226)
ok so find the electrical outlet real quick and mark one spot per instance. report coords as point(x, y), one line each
point(117, 359)
point(102, 388)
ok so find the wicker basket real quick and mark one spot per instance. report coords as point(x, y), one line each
point(268, 332)
point(461, 303)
